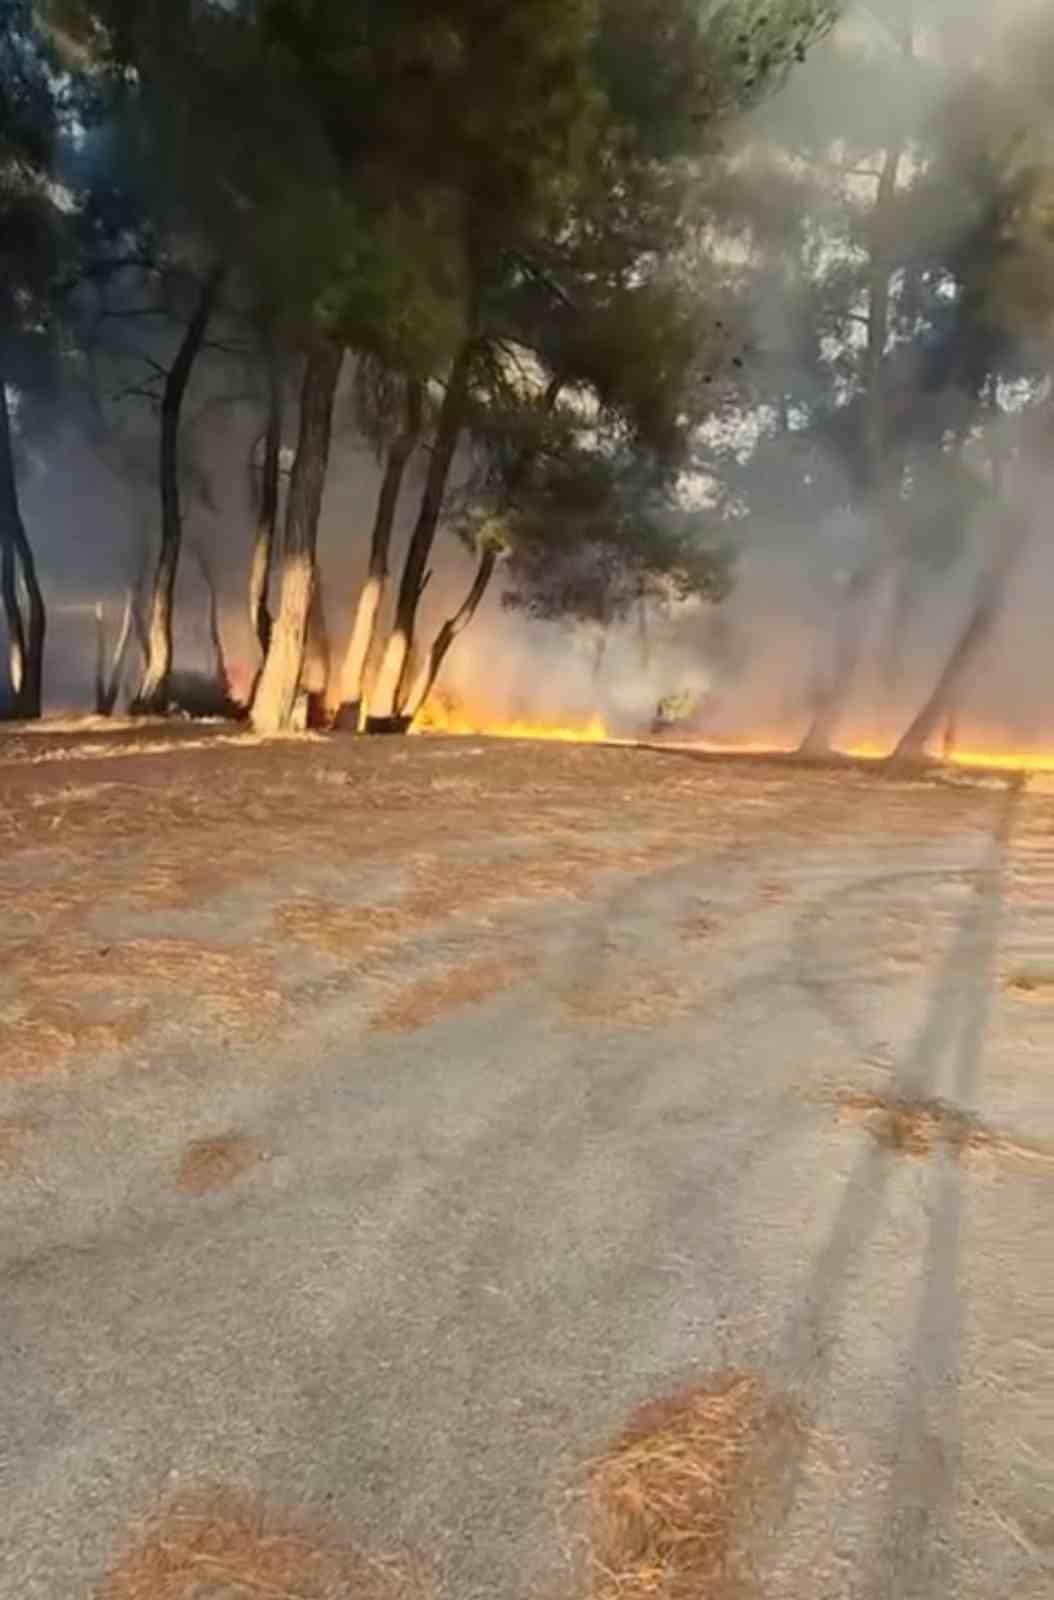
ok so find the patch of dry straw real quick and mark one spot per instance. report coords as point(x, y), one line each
point(220, 1546)
point(669, 1501)
point(214, 1163)
point(77, 998)
point(918, 1127)
point(433, 996)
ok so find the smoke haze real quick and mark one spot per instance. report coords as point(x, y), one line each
point(749, 663)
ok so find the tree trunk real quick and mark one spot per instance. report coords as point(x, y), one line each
point(153, 691)
point(26, 627)
point(108, 683)
point(423, 679)
point(100, 662)
point(267, 510)
point(391, 689)
point(16, 639)
point(316, 670)
point(279, 682)
point(219, 654)
point(942, 703)
point(453, 626)
point(345, 697)
point(902, 602)
point(833, 687)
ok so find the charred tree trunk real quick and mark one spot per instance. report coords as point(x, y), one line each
point(26, 622)
point(316, 671)
point(153, 691)
point(391, 688)
point(942, 703)
point(834, 685)
point(267, 510)
point(346, 696)
point(423, 680)
point(279, 682)
point(219, 653)
point(453, 626)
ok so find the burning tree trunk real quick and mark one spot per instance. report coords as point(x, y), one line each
point(834, 685)
point(267, 510)
point(24, 612)
point(942, 703)
point(391, 688)
point(346, 702)
point(276, 690)
point(153, 691)
point(426, 678)
point(423, 680)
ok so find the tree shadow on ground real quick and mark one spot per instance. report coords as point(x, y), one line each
point(917, 1554)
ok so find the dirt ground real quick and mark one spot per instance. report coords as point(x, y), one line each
point(383, 1123)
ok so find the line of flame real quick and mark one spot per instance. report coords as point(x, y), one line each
point(443, 714)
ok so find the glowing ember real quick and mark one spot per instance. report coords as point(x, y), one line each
point(444, 714)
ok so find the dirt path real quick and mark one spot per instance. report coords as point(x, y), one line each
point(380, 1125)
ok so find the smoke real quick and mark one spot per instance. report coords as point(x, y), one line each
point(749, 665)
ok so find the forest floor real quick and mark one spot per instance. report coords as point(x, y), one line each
point(383, 1123)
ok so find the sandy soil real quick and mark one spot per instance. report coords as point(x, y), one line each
point(383, 1122)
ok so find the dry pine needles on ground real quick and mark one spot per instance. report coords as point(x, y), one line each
point(221, 1546)
point(918, 1127)
point(667, 1503)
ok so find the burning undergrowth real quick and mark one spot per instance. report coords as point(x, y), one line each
point(218, 1545)
point(448, 713)
point(670, 1503)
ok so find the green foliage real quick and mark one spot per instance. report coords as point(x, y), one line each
point(593, 529)
point(406, 176)
point(29, 124)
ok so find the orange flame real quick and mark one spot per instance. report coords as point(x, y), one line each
point(445, 714)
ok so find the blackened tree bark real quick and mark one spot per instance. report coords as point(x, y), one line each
point(942, 704)
point(153, 691)
point(391, 687)
point(345, 696)
point(423, 680)
point(453, 626)
point(267, 508)
point(26, 617)
point(279, 682)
